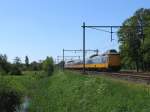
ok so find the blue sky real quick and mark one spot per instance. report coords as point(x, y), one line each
point(40, 28)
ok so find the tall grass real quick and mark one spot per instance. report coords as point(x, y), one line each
point(72, 92)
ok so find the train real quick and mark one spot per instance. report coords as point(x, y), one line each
point(108, 61)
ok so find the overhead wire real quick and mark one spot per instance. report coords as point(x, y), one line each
point(102, 30)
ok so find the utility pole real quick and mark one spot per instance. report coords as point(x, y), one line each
point(63, 60)
point(84, 51)
point(83, 47)
point(111, 32)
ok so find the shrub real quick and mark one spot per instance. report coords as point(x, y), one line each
point(10, 98)
point(2, 72)
point(15, 71)
point(48, 65)
point(50, 70)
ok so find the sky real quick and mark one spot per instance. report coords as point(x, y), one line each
point(40, 28)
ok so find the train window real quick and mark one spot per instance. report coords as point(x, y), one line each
point(98, 59)
point(113, 51)
point(89, 61)
point(104, 60)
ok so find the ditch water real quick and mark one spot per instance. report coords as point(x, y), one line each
point(25, 105)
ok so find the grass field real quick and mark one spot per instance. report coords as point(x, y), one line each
point(72, 92)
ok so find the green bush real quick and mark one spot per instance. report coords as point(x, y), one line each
point(15, 71)
point(48, 65)
point(50, 70)
point(10, 98)
point(2, 73)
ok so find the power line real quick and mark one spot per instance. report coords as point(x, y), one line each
point(111, 32)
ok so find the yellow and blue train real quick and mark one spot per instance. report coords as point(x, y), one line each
point(108, 61)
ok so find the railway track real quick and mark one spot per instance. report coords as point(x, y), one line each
point(140, 77)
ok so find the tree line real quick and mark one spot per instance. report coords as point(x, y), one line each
point(135, 41)
point(17, 67)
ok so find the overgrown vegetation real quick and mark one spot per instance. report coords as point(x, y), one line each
point(72, 92)
point(9, 100)
point(17, 67)
point(12, 87)
point(135, 41)
point(48, 65)
point(10, 96)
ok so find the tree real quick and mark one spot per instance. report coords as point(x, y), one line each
point(34, 66)
point(48, 65)
point(27, 61)
point(15, 70)
point(16, 67)
point(135, 41)
point(4, 64)
point(17, 61)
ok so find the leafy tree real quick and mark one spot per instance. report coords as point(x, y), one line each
point(16, 67)
point(48, 65)
point(27, 61)
point(17, 61)
point(34, 66)
point(4, 64)
point(135, 41)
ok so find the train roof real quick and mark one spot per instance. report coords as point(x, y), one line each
point(111, 51)
point(94, 55)
point(70, 61)
point(74, 61)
